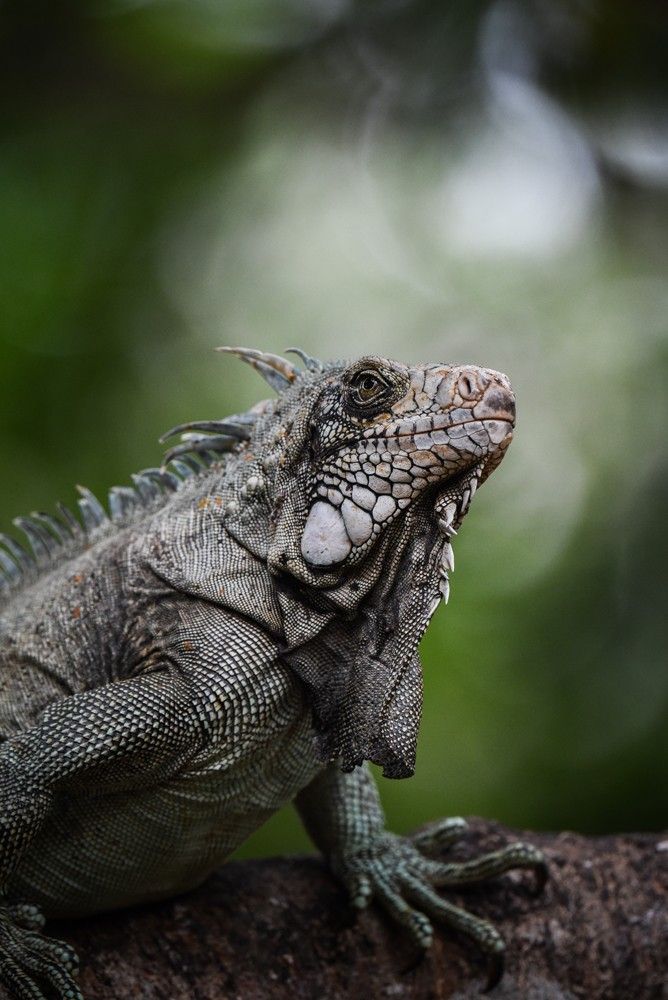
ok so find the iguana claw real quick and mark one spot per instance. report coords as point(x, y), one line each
point(396, 872)
point(494, 971)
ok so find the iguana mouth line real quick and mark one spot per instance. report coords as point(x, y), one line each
point(437, 423)
point(445, 427)
point(381, 438)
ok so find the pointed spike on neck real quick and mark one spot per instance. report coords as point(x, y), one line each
point(20, 555)
point(51, 524)
point(10, 569)
point(228, 426)
point(278, 372)
point(89, 504)
point(311, 364)
point(40, 541)
point(68, 518)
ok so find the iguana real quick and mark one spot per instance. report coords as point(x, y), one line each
point(239, 631)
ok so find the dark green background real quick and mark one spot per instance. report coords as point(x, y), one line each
point(462, 181)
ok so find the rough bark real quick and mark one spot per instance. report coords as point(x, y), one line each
point(281, 928)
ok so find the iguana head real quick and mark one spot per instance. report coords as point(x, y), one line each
point(370, 440)
point(385, 435)
point(367, 468)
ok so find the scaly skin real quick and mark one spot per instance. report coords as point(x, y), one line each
point(241, 632)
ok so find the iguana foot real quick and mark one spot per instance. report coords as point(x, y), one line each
point(34, 967)
point(397, 872)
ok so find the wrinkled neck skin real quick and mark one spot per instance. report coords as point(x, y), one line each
point(362, 670)
point(351, 633)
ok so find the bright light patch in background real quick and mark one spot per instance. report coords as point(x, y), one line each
point(526, 184)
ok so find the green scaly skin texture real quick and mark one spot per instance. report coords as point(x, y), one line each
point(242, 635)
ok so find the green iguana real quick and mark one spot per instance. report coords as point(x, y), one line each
point(238, 632)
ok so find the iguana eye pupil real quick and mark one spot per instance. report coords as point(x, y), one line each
point(366, 386)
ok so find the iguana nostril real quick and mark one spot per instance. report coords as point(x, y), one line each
point(469, 385)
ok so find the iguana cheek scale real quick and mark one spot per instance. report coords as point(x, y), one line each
point(236, 630)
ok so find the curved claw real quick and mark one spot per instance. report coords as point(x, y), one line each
point(542, 875)
point(495, 967)
point(484, 866)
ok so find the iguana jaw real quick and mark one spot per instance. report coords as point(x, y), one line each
point(349, 514)
point(359, 473)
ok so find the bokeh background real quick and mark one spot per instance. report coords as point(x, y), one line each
point(451, 181)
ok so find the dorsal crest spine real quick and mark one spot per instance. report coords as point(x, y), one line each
point(49, 539)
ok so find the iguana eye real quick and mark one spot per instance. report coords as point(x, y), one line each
point(366, 386)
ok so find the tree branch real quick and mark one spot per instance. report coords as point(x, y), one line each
point(282, 928)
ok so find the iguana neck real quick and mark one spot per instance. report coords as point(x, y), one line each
point(363, 673)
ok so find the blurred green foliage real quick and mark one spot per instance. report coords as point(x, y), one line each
point(474, 182)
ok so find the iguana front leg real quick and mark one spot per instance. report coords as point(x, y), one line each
point(343, 815)
point(127, 734)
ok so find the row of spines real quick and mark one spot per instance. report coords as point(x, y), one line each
point(48, 537)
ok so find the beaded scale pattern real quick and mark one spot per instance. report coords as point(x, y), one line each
point(236, 630)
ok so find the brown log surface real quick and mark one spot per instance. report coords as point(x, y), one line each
point(282, 928)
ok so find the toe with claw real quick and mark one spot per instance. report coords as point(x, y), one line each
point(400, 875)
